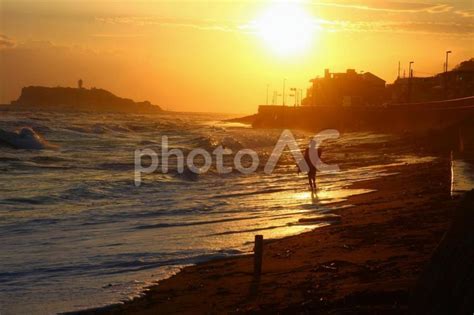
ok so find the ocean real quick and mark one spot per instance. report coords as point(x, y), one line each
point(76, 232)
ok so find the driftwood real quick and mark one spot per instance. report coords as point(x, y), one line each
point(446, 286)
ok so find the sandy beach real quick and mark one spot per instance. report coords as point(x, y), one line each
point(367, 262)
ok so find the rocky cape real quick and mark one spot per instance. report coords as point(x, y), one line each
point(78, 99)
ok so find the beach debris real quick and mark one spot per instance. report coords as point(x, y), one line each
point(330, 267)
point(286, 254)
point(325, 267)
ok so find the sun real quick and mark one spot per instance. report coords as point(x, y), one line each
point(286, 28)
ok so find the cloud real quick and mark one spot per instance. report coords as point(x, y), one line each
point(48, 47)
point(400, 17)
point(447, 28)
point(394, 26)
point(202, 24)
point(117, 36)
point(6, 42)
point(465, 13)
point(388, 6)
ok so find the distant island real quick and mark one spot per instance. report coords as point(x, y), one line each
point(78, 99)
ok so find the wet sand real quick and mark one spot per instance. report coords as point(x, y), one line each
point(368, 262)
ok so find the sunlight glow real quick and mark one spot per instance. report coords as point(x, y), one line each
point(286, 28)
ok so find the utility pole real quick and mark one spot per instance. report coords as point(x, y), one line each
point(410, 76)
point(398, 70)
point(283, 94)
point(447, 58)
point(410, 71)
point(446, 75)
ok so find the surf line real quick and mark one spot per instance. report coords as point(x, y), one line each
point(286, 140)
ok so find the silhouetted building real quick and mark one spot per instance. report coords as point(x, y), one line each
point(457, 83)
point(79, 83)
point(346, 89)
point(406, 90)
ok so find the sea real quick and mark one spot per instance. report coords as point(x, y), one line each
point(77, 232)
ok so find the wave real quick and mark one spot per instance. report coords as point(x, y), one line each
point(9, 159)
point(188, 175)
point(114, 264)
point(211, 142)
point(78, 129)
point(117, 166)
point(49, 159)
point(99, 129)
point(149, 143)
point(31, 201)
point(273, 227)
point(26, 138)
point(168, 225)
point(256, 192)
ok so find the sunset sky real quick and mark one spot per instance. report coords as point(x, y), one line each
point(219, 56)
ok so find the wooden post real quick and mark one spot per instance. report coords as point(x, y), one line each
point(258, 252)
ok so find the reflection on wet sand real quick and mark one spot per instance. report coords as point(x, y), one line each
point(462, 175)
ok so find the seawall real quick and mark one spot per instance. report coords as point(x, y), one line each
point(396, 117)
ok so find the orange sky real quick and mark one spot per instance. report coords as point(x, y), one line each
point(219, 56)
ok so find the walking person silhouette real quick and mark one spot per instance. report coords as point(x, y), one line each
point(312, 154)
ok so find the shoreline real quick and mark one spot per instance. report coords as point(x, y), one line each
point(218, 279)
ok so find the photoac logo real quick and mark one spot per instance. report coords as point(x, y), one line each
point(160, 161)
